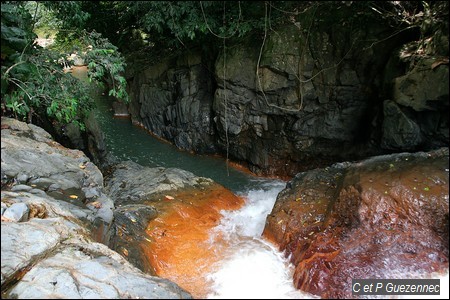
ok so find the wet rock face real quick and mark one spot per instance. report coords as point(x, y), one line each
point(120, 109)
point(180, 237)
point(385, 217)
point(313, 100)
point(130, 223)
point(173, 100)
point(417, 116)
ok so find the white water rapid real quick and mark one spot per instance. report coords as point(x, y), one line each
point(252, 267)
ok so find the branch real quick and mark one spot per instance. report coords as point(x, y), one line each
point(14, 65)
point(13, 80)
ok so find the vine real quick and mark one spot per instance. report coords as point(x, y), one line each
point(225, 93)
point(224, 38)
point(259, 78)
point(296, 74)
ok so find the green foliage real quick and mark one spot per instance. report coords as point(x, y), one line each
point(45, 21)
point(194, 22)
point(70, 13)
point(173, 24)
point(106, 63)
point(15, 33)
point(34, 84)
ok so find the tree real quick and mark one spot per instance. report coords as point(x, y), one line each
point(34, 85)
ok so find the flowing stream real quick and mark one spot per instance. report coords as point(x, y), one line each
point(250, 267)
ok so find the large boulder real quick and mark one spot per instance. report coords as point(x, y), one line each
point(54, 214)
point(384, 217)
point(130, 183)
point(141, 194)
point(32, 161)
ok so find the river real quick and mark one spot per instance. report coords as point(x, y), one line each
point(249, 266)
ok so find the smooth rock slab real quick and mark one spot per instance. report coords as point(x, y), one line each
point(51, 222)
point(91, 271)
point(131, 183)
point(22, 243)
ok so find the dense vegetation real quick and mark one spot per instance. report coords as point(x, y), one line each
point(34, 85)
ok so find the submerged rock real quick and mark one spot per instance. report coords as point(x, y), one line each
point(384, 217)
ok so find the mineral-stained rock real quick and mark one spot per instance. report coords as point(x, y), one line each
point(163, 218)
point(384, 217)
point(130, 223)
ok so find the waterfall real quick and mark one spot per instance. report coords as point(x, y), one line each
point(246, 265)
point(251, 267)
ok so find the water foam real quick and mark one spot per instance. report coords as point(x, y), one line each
point(252, 267)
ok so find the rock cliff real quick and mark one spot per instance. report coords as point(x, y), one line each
point(300, 99)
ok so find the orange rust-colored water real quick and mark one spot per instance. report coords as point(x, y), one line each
point(180, 249)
